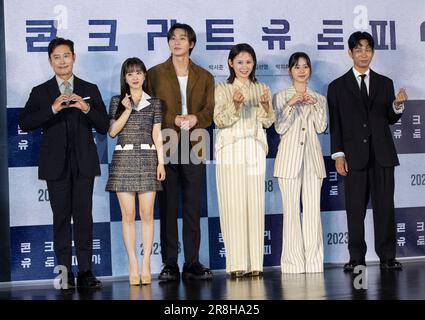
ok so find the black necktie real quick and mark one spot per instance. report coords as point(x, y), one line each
point(363, 90)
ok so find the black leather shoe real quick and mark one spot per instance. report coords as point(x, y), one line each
point(87, 280)
point(196, 271)
point(169, 273)
point(391, 264)
point(70, 282)
point(350, 265)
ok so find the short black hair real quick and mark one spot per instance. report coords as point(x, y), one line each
point(293, 60)
point(236, 49)
point(357, 36)
point(191, 35)
point(56, 42)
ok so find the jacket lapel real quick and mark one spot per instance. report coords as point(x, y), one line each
point(54, 92)
point(373, 86)
point(78, 90)
point(191, 81)
point(172, 77)
point(353, 86)
point(53, 89)
point(78, 87)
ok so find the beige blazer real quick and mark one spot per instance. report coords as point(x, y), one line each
point(298, 127)
point(248, 121)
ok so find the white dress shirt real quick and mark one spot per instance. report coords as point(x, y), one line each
point(183, 86)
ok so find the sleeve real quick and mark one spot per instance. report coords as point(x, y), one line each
point(266, 118)
point(148, 87)
point(205, 116)
point(337, 155)
point(393, 117)
point(113, 107)
point(334, 121)
point(319, 114)
point(285, 114)
point(34, 114)
point(225, 113)
point(157, 117)
point(398, 110)
point(97, 114)
point(168, 116)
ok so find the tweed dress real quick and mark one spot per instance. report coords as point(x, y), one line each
point(135, 170)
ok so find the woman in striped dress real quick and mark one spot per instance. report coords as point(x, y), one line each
point(242, 109)
point(300, 169)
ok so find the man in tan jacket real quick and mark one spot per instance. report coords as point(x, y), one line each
point(187, 93)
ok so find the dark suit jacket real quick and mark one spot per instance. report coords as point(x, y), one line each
point(351, 127)
point(162, 83)
point(53, 150)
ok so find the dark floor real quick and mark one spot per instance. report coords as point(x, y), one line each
point(333, 284)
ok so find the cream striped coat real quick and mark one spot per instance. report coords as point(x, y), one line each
point(246, 122)
point(298, 127)
point(241, 148)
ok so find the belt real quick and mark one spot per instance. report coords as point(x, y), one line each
point(143, 146)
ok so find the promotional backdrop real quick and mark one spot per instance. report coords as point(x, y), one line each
point(107, 32)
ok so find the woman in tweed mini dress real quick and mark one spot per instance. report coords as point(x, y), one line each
point(137, 166)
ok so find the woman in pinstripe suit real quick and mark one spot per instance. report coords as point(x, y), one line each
point(242, 109)
point(299, 167)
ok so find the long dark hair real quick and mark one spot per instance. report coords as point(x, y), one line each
point(238, 48)
point(129, 65)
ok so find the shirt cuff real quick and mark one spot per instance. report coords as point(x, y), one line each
point(53, 110)
point(337, 154)
point(398, 110)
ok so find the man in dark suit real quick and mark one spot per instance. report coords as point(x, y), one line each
point(187, 93)
point(362, 105)
point(67, 109)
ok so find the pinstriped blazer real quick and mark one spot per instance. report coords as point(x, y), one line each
point(246, 122)
point(298, 127)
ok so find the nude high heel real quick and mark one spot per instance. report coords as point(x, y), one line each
point(134, 280)
point(146, 280)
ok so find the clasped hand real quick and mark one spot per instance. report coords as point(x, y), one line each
point(73, 100)
point(302, 98)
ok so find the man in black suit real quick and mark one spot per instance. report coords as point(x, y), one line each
point(362, 105)
point(67, 108)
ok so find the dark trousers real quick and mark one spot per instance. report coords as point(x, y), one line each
point(378, 183)
point(187, 178)
point(71, 196)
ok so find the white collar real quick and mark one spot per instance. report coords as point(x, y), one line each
point(60, 81)
point(143, 103)
point(358, 74)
